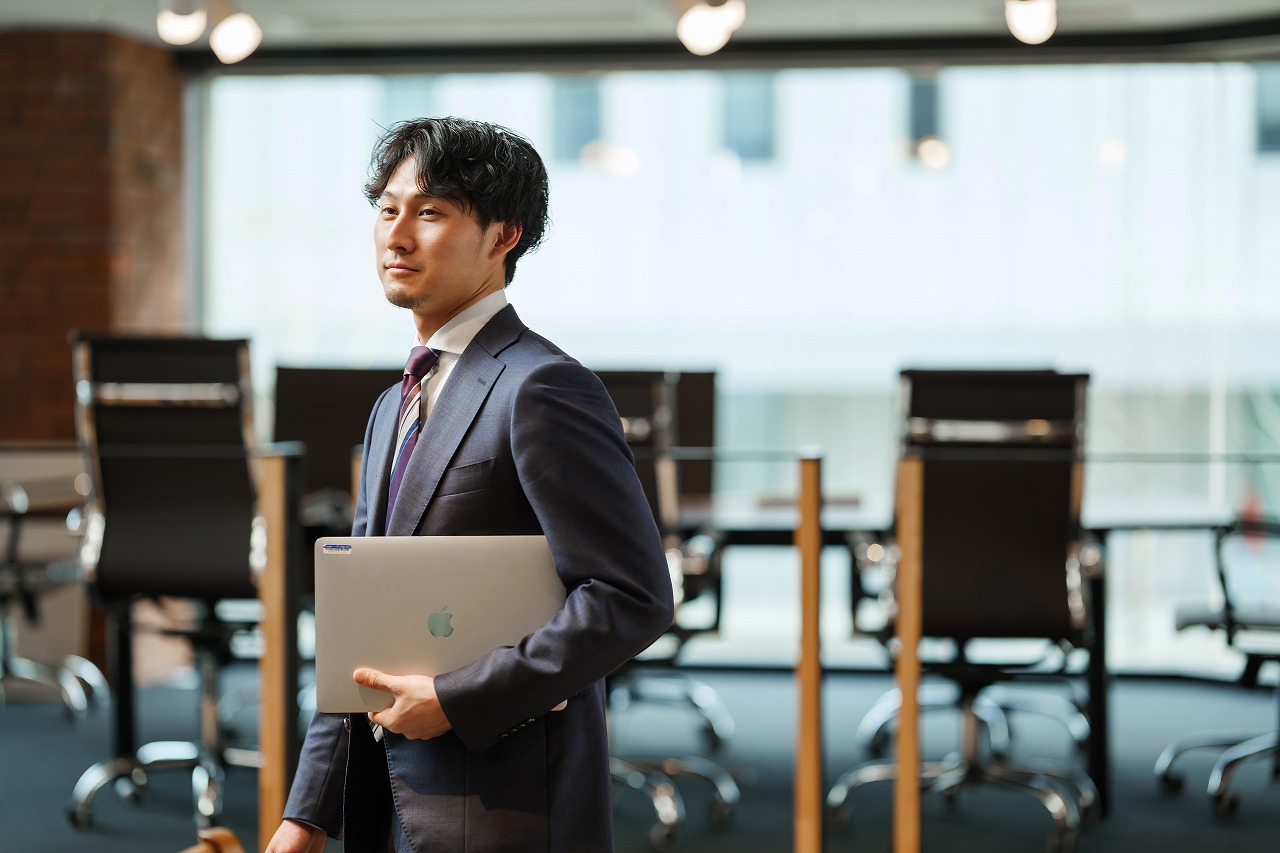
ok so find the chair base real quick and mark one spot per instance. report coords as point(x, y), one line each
point(129, 776)
point(78, 681)
point(992, 706)
point(205, 758)
point(1238, 749)
point(73, 694)
point(655, 779)
point(677, 690)
point(668, 805)
point(1069, 797)
point(1064, 798)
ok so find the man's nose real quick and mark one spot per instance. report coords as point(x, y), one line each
point(400, 234)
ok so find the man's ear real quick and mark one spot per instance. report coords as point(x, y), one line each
point(506, 235)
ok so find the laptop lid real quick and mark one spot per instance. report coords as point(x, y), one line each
point(423, 605)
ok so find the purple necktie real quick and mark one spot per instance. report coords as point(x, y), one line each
point(421, 360)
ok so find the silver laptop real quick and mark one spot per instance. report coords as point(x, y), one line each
point(423, 605)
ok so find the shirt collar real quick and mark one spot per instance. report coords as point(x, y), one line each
point(455, 335)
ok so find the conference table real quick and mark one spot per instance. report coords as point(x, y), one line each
point(743, 522)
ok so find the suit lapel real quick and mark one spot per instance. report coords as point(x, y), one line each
point(380, 446)
point(469, 384)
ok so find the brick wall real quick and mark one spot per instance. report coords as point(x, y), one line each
point(91, 225)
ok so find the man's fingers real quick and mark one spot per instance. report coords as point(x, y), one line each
point(376, 680)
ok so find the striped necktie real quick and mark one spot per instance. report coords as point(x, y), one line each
point(421, 360)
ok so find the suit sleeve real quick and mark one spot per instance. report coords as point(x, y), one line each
point(577, 473)
point(316, 794)
point(360, 522)
point(317, 791)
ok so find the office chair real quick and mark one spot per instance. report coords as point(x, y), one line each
point(1247, 550)
point(38, 504)
point(305, 412)
point(166, 428)
point(1002, 486)
point(649, 403)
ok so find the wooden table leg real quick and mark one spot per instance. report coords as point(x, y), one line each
point(907, 592)
point(279, 589)
point(808, 760)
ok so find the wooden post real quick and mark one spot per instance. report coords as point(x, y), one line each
point(278, 590)
point(910, 525)
point(808, 758)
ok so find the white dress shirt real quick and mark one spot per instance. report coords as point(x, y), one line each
point(450, 340)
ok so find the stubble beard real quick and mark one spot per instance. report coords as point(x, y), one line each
point(404, 300)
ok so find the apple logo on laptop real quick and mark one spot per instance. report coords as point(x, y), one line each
point(440, 624)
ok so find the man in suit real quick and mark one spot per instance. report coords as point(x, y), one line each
point(510, 752)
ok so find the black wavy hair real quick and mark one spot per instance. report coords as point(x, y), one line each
point(488, 170)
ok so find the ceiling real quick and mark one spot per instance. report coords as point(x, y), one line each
point(878, 27)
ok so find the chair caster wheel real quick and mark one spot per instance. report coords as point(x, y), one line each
point(839, 818)
point(950, 798)
point(1170, 784)
point(1225, 806)
point(80, 818)
point(721, 814)
point(663, 836)
point(128, 790)
point(1062, 842)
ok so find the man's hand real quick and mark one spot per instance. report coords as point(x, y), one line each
point(294, 837)
point(415, 710)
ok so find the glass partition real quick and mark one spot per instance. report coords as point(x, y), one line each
point(1110, 219)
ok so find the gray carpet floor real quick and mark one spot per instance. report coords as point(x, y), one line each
point(42, 753)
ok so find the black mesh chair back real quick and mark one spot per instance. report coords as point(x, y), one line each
point(327, 409)
point(166, 426)
point(662, 410)
point(1001, 455)
point(646, 401)
point(696, 428)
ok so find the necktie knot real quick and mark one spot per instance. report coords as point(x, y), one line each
point(421, 360)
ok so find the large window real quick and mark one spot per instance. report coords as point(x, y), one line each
point(1112, 219)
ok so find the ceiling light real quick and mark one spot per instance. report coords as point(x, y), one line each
point(181, 21)
point(706, 25)
point(235, 37)
point(1031, 21)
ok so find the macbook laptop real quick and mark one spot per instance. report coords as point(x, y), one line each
point(423, 605)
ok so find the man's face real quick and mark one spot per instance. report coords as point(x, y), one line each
point(433, 257)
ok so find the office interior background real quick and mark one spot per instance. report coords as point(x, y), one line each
point(781, 229)
point(914, 193)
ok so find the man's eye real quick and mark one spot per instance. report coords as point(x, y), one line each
point(427, 211)
point(388, 211)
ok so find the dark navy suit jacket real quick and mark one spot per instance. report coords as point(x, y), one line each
point(522, 439)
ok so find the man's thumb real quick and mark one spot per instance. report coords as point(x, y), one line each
point(376, 680)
